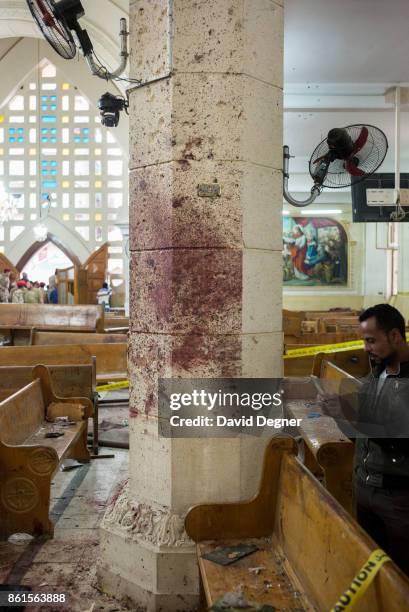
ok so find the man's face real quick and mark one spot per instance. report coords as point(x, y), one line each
point(380, 345)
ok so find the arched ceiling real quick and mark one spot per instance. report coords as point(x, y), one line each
point(102, 25)
point(17, 26)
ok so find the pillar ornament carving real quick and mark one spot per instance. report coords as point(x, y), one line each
point(142, 522)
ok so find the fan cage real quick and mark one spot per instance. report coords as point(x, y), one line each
point(370, 157)
point(57, 32)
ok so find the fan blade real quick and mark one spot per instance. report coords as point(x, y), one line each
point(316, 161)
point(360, 141)
point(353, 169)
point(48, 17)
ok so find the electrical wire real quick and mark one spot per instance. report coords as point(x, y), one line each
point(398, 214)
point(117, 78)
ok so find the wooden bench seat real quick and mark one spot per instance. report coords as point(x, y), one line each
point(283, 593)
point(111, 359)
point(310, 548)
point(28, 459)
point(67, 381)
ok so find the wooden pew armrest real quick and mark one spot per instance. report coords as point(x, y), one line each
point(252, 518)
point(25, 454)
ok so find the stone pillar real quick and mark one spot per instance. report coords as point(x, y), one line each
point(124, 227)
point(206, 272)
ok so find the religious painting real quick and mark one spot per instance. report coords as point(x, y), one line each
point(315, 252)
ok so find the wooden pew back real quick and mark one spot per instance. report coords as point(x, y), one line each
point(352, 360)
point(312, 339)
point(111, 359)
point(67, 380)
point(292, 321)
point(52, 316)
point(329, 314)
point(39, 338)
point(116, 324)
point(29, 414)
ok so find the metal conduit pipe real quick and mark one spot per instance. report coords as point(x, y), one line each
point(315, 189)
point(100, 71)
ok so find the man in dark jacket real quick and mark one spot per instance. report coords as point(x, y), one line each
point(381, 474)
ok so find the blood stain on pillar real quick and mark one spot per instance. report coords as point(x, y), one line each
point(187, 152)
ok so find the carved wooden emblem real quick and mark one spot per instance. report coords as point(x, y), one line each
point(42, 461)
point(19, 495)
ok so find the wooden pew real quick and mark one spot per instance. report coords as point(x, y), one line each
point(111, 359)
point(327, 452)
point(320, 338)
point(341, 324)
point(114, 321)
point(329, 314)
point(52, 317)
point(353, 360)
point(116, 324)
point(292, 321)
point(46, 338)
point(67, 381)
point(28, 459)
point(18, 321)
point(309, 547)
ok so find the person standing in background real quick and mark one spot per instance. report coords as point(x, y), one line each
point(18, 293)
point(53, 295)
point(104, 296)
point(4, 288)
point(31, 296)
point(43, 294)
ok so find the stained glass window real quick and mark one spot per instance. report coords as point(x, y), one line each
point(52, 143)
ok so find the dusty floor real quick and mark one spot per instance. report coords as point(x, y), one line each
point(66, 564)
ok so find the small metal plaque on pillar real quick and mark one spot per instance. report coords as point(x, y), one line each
point(209, 190)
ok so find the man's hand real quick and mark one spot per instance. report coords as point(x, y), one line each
point(329, 404)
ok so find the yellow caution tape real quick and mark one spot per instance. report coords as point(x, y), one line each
point(323, 348)
point(361, 581)
point(122, 384)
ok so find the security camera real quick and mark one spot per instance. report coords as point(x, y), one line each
point(110, 107)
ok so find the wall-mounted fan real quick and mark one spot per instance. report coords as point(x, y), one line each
point(348, 155)
point(57, 21)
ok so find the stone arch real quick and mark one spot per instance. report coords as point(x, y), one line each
point(25, 258)
point(68, 241)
